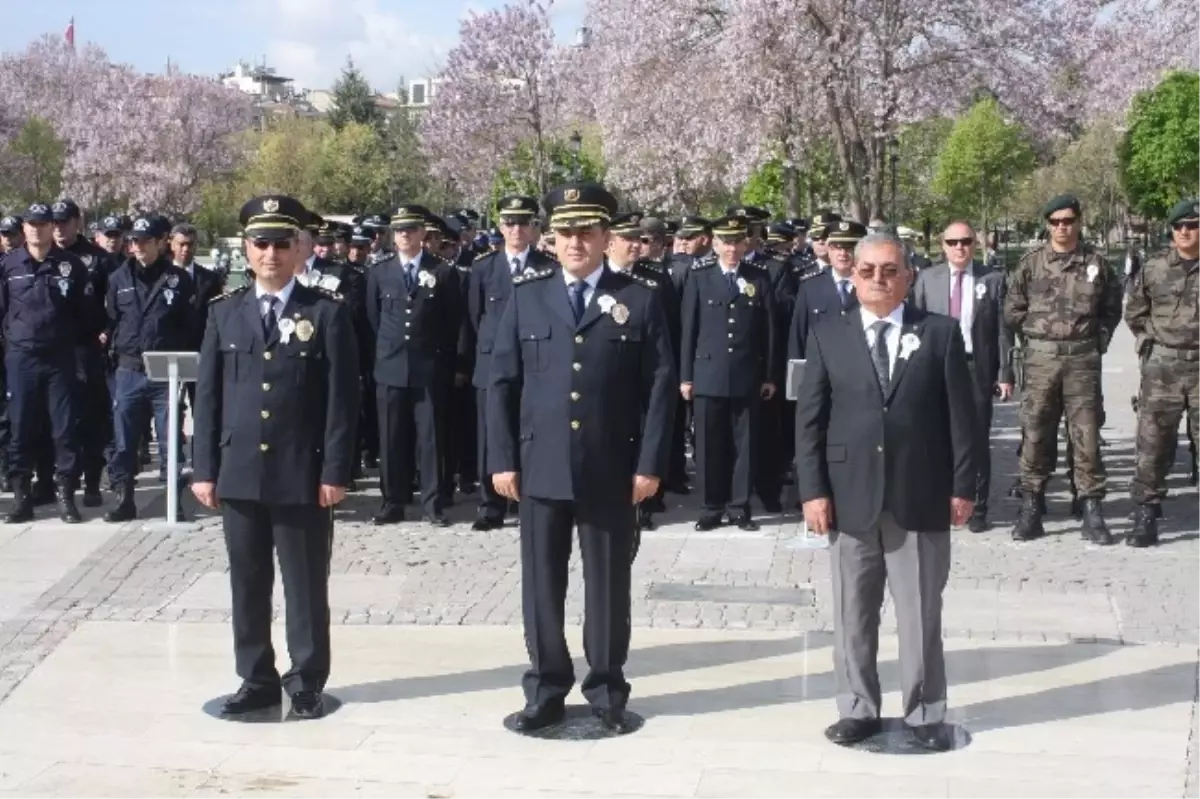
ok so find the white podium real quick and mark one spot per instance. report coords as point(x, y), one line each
point(795, 374)
point(175, 368)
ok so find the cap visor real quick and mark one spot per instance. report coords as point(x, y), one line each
point(271, 233)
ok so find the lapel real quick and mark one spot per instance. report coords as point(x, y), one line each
point(607, 282)
point(977, 273)
point(859, 354)
point(554, 294)
point(251, 316)
point(938, 298)
point(913, 322)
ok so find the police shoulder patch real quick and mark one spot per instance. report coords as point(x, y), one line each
point(529, 277)
point(230, 293)
point(703, 263)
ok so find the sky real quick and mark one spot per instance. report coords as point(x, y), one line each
point(307, 40)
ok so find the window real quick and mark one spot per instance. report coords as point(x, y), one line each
point(418, 94)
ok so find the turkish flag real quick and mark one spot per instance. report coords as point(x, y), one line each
point(69, 33)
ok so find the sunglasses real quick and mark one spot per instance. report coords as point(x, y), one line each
point(516, 222)
point(1061, 221)
point(1189, 225)
point(868, 271)
point(262, 245)
point(646, 240)
point(959, 242)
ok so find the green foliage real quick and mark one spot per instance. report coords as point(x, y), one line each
point(1160, 155)
point(764, 189)
point(519, 173)
point(982, 157)
point(353, 101)
point(33, 165)
point(818, 183)
point(920, 143)
point(218, 211)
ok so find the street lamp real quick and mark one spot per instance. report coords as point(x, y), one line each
point(895, 159)
point(575, 143)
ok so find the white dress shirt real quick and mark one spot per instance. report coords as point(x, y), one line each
point(521, 258)
point(591, 281)
point(968, 303)
point(838, 280)
point(896, 317)
point(282, 295)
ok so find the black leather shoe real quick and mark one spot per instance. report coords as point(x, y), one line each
point(934, 737)
point(250, 698)
point(390, 514)
point(483, 524)
point(1094, 527)
point(1145, 528)
point(535, 717)
point(851, 731)
point(614, 719)
point(307, 705)
point(654, 505)
point(437, 520)
point(125, 510)
point(709, 522)
point(1029, 522)
point(978, 522)
point(370, 462)
point(772, 506)
point(645, 519)
point(744, 523)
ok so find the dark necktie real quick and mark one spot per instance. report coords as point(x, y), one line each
point(577, 304)
point(956, 294)
point(515, 266)
point(269, 320)
point(844, 292)
point(731, 279)
point(879, 355)
point(410, 278)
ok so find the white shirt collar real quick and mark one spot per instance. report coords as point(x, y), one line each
point(966, 268)
point(283, 295)
point(613, 267)
point(416, 261)
point(591, 279)
point(521, 258)
point(896, 317)
point(727, 270)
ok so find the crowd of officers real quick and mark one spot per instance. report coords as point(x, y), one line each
point(426, 294)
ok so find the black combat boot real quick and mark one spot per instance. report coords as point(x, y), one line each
point(65, 495)
point(126, 508)
point(22, 509)
point(1076, 507)
point(92, 498)
point(1145, 527)
point(1094, 527)
point(1029, 521)
point(6, 483)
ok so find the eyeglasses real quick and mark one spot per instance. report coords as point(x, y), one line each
point(646, 240)
point(1061, 221)
point(867, 271)
point(959, 242)
point(262, 245)
point(1189, 225)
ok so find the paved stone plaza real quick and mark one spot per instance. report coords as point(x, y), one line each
point(1073, 667)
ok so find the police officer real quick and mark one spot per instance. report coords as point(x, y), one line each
point(112, 237)
point(1065, 302)
point(150, 308)
point(47, 313)
point(359, 250)
point(828, 292)
point(1163, 312)
point(415, 309)
point(693, 240)
point(11, 237)
point(276, 403)
point(579, 407)
point(490, 286)
point(727, 367)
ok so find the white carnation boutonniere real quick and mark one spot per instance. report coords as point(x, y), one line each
point(1092, 272)
point(427, 280)
point(606, 302)
point(909, 343)
point(980, 291)
point(745, 286)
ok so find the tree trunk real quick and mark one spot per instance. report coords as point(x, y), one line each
point(791, 188)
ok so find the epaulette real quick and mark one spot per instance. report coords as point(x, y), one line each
point(811, 275)
point(704, 262)
point(230, 293)
point(333, 295)
point(644, 281)
point(653, 266)
point(481, 256)
point(529, 277)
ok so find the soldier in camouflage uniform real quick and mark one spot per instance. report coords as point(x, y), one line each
point(1162, 312)
point(1065, 302)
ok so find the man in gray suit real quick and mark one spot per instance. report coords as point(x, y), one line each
point(973, 294)
point(885, 464)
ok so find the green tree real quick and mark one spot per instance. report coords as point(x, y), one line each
point(916, 166)
point(352, 171)
point(33, 164)
point(765, 187)
point(353, 101)
point(983, 156)
point(1160, 154)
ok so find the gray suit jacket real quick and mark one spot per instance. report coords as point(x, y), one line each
point(991, 340)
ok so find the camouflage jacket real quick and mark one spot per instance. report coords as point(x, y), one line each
point(1063, 296)
point(1163, 305)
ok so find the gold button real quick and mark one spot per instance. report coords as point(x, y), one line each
point(574, 424)
point(575, 396)
point(579, 339)
point(267, 355)
point(577, 366)
point(266, 386)
point(266, 414)
point(263, 447)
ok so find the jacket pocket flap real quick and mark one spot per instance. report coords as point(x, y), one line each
point(243, 345)
point(624, 335)
point(835, 453)
point(533, 331)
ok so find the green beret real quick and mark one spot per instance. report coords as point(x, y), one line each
point(1062, 202)
point(1186, 209)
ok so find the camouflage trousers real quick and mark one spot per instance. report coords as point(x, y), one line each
point(1061, 385)
point(1170, 385)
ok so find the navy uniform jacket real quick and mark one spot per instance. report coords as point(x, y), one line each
point(728, 346)
point(207, 285)
point(488, 292)
point(276, 420)
point(417, 332)
point(578, 410)
point(100, 264)
point(145, 318)
point(48, 306)
point(816, 299)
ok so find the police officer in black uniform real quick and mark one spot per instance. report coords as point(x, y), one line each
point(579, 410)
point(357, 253)
point(829, 292)
point(47, 313)
point(728, 365)
point(490, 286)
point(150, 308)
point(415, 309)
point(276, 403)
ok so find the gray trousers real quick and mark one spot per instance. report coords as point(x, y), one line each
point(915, 567)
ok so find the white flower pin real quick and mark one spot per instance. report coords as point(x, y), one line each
point(1092, 271)
point(980, 291)
point(909, 343)
point(427, 280)
point(741, 284)
point(606, 302)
